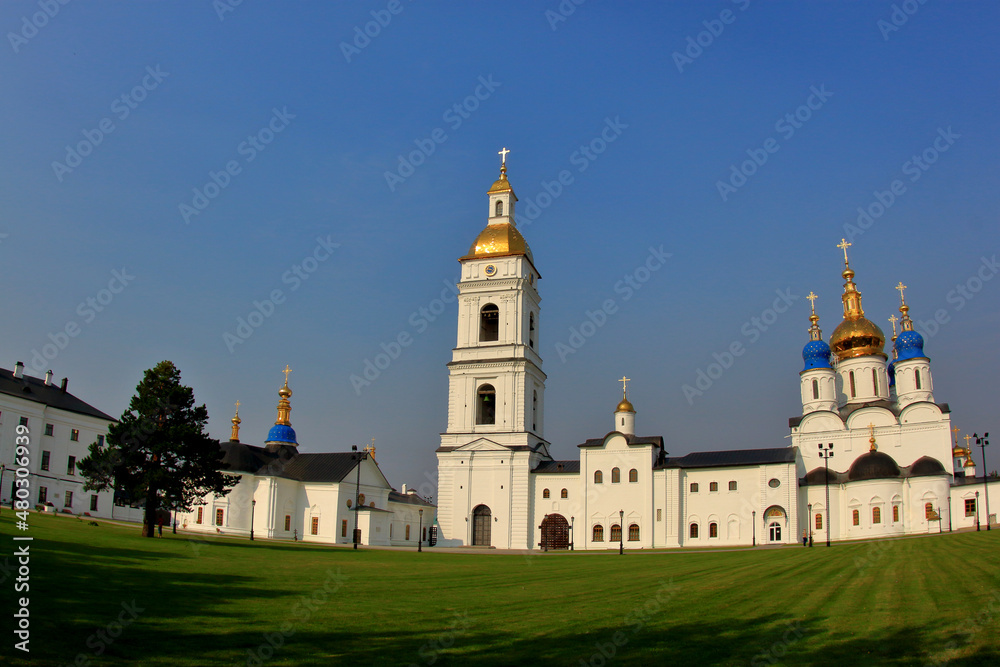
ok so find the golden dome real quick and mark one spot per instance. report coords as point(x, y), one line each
point(501, 184)
point(625, 406)
point(499, 240)
point(857, 338)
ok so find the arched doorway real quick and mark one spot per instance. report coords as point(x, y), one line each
point(555, 532)
point(774, 532)
point(482, 517)
point(775, 519)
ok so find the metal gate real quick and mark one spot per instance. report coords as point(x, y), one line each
point(555, 532)
point(482, 517)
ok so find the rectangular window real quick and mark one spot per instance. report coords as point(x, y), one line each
point(68, 501)
point(659, 515)
point(49, 428)
point(856, 517)
point(219, 515)
point(970, 507)
point(713, 486)
point(315, 525)
point(43, 495)
point(45, 460)
point(71, 465)
point(74, 435)
point(694, 487)
point(343, 528)
point(288, 523)
point(819, 521)
point(200, 515)
point(732, 486)
point(100, 441)
point(93, 503)
point(23, 421)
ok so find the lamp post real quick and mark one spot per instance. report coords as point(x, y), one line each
point(977, 511)
point(253, 505)
point(572, 533)
point(949, 512)
point(983, 442)
point(753, 521)
point(357, 492)
point(3, 467)
point(621, 532)
point(826, 453)
point(809, 522)
point(420, 527)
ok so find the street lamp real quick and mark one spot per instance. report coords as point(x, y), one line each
point(253, 505)
point(809, 523)
point(357, 492)
point(621, 532)
point(977, 511)
point(826, 453)
point(983, 442)
point(572, 533)
point(3, 467)
point(753, 521)
point(420, 527)
point(949, 512)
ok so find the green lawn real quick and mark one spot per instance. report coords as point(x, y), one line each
point(212, 601)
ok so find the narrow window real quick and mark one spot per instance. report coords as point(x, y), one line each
point(71, 465)
point(74, 435)
point(219, 515)
point(100, 441)
point(43, 495)
point(489, 323)
point(69, 499)
point(659, 514)
point(486, 405)
point(856, 517)
point(853, 388)
point(407, 532)
point(531, 330)
point(633, 533)
point(315, 525)
point(876, 515)
point(343, 528)
point(424, 537)
point(564, 493)
point(534, 411)
point(732, 486)
point(23, 421)
point(48, 429)
point(713, 529)
point(499, 208)
point(616, 475)
point(598, 533)
point(616, 533)
point(819, 521)
point(45, 460)
point(693, 530)
point(713, 486)
point(545, 493)
point(288, 523)
point(200, 515)
point(633, 475)
point(895, 513)
point(916, 377)
point(875, 380)
point(694, 487)
point(929, 510)
point(815, 389)
point(598, 477)
point(93, 503)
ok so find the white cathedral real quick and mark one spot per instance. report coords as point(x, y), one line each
point(893, 466)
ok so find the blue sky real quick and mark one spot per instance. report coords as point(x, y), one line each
point(206, 90)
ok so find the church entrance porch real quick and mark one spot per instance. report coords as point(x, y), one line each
point(482, 518)
point(775, 519)
point(555, 532)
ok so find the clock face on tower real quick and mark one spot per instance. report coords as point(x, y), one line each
point(490, 270)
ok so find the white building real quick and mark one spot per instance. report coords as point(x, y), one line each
point(61, 428)
point(894, 468)
point(284, 494)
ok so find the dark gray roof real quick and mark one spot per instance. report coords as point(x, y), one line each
point(567, 467)
point(408, 498)
point(631, 439)
point(732, 457)
point(35, 389)
point(286, 461)
point(320, 467)
point(846, 411)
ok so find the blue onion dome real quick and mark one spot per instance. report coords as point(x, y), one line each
point(816, 354)
point(892, 373)
point(909, 345)
point(281, 433)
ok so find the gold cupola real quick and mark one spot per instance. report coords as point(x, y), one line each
point(234, 435)
point(500, 238)
point(625, 405)
point(282, 431)
point(856, 336)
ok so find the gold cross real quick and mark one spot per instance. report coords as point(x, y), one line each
point(871, 429)
point(237, 407)
point(844, 245)
point(901, 287)
point(625, 382)
point(967, 438)
point(286, 372)
point(956, 431)
point(893, 319)
point(812, 301)
point(503, 156)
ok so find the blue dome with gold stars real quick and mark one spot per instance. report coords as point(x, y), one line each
point(281, 433)
point(909, 345)
point(816, 354)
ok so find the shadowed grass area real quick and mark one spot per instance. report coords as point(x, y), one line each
point(208, 600)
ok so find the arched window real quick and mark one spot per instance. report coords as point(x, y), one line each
point(486, 405)
point(916, 377)
point(598, 533)
point(545, 493)
point(534, 411)
point(854, 391)
point(407, 531)
point(928, 511)
point(489, 323)
point(616, 475)
point(531, 330)
point(693, 530)
point(856, 517)
point(616, 533)
point(564, 493)
point(876, 515)
point(499, 208)
point(713, 486)
point(598, 477)
point(875, 380)
point(633, 475)
point(315, 525)
point(895, 513)
point(819, 521)
point(713, 529)
point(815, 388)
point(694, 487)
point(633, 532)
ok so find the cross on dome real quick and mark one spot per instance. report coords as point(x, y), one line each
point(956, 431)
point(287, 370)
point(503, 156)
point(893, 319)
point(844, 245)
point(901, 287)
point(624, 380)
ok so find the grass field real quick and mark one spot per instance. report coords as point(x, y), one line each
point(206, 601)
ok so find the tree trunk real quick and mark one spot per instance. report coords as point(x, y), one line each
point(149, 519)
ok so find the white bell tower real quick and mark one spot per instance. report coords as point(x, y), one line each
point(496, 388)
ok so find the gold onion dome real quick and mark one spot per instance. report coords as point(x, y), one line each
point(498, 240)
point(856, 336)
point(501, 184)
point(625, 406)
